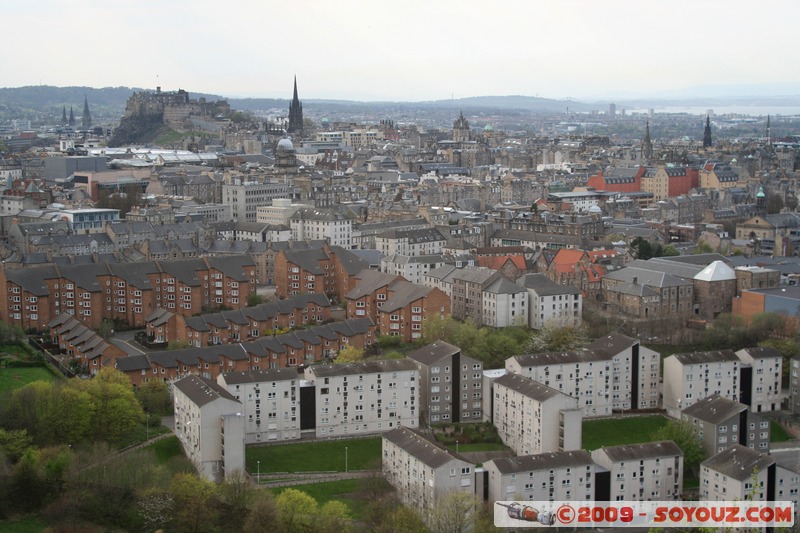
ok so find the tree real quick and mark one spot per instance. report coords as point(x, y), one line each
point(349, 354)
point(235, 496)
point(106, 328)
point(671, 251)
point(193, 497)
point(254, 299)
point(554, 338)
point(296, 510)
point(774, 203)
point(263, 516)
point(117, 411)
point(155, 397)
point(455, 512)
point(334, 517)
point(642, 248)
point(14, 443)
point(685, 435)
point(155, 508)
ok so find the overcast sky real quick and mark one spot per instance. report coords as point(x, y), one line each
point(407, 50)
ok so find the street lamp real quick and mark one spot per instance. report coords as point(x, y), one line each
point(258, 472)
point(345, 459)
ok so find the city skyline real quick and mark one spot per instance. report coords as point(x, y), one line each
point(410, 51)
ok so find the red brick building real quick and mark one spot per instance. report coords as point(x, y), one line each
point(79, 342)
point(621, 179)
point(330, 270)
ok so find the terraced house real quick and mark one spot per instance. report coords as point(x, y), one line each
point(128, 292)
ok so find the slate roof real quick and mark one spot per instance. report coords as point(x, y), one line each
point(613, 343)
point(503, 285)
point(738, 462)
point(542, 461)
point(638, 452)
point(431, 353)
point(414, 236)
point(650, 278)
point(370, 281)
point(402, 294)
point(362, 367)
point(308, 260)
point(543, 286)
point(260, 376)
point(762, 352)
point(527, 387)
point(202, 391)
point(715, 356)
point(715, 409)
point(351, 263)
point(426, 451)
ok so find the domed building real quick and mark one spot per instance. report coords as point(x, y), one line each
point(285, 154)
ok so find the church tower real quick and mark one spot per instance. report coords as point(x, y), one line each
point(461, 129)
point(647, 146)
point(707, 133)
point(64, 116)
point(86, 119)
point(71, 117)
point(295, 113)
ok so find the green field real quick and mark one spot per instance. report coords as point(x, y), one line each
point(23, 525)
point(479, 447)
point(317, 456)
point(16, 378)
point(777, 433)
point(166, 449)
point(616, 431)
point(345, 490)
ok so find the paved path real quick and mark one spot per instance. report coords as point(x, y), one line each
point(290, 479)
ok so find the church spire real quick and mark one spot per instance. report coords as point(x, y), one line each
point(86, 119)
point(71, 117)
point(295, 113)
point(707, 133)
point(64, 116)
point(647, 145)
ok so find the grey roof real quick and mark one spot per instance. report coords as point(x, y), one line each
point(633, 290)
point(370, 281)
point(542, 461)
point(638, 452)
point(413, 236)
point(260, 376)
point(308, 260)
point(32, 280)
point(714, 356)
point(503, 285)
point(613, 343)
point(543, 286)
point(528, 387)
point(431, 353)
point(475, 274)
point(362, 367)
point(426, 451)
point(673, 268)
point(402, 294)
point(738, 462)
point(714, 409)
point(351, 263)
point(650, 278)
point(202, 391)
point(762, 352)
point(560, 358)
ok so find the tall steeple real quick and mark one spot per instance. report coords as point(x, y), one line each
point(86, 119)
point(707, 133)
point(64, 116)
point(769, 134)
point(647, 146)
point(295, 113)
point(71, 117)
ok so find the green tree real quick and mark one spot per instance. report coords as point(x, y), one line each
point(296, 510)
point(334, 517)
point(455, 512)
point(155, 397)
point(642, 248)
point(193, 498)
point(14, 443)
point(254, 299)
point(686, 436)
point(554, 338)
point(671, 251)
point(349, 354)
point(155, 507)
point(69, 413)
point(117, 411)
point(263, 516)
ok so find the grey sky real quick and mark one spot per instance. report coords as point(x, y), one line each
point(403, 50)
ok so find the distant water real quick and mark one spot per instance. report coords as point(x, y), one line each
point(754, 111)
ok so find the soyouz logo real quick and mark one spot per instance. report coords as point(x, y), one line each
point(663, 514)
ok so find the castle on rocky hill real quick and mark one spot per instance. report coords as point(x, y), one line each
point(175, 106)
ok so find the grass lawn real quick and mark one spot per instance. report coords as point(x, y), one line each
point(345, 490)
point(23, 525)
point(16, 378)
point(140, 434)
point(479, 447)
point(777, 433)
point(616, 431)
point(317, 456)
point(166, 449)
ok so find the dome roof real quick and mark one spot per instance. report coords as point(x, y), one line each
point(285, 144)
point(325, 120)
point(595, 209)
point(760, 193)
point(488, 127)
point(716, 271)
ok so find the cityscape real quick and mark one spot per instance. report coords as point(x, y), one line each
point(440, 308)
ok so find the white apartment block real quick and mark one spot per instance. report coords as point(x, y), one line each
point(245, 198)
point(367, 397)
point(728, 475)
point(532, 418)
point(614, 373)
point(555, 476)
point(319, 223)
point(550, 303)
point(689, 377)
point(451, 384)
point(761, 374)
point(423, 471)
point(505, 304)
point(422, 241)
point(209, 426)
point(643, 472)
point(270, 402)
point(412, 267)
point(279, 213)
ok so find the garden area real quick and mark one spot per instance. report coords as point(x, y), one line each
point(481, 437)
point(316, 456)
point(618, 431)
